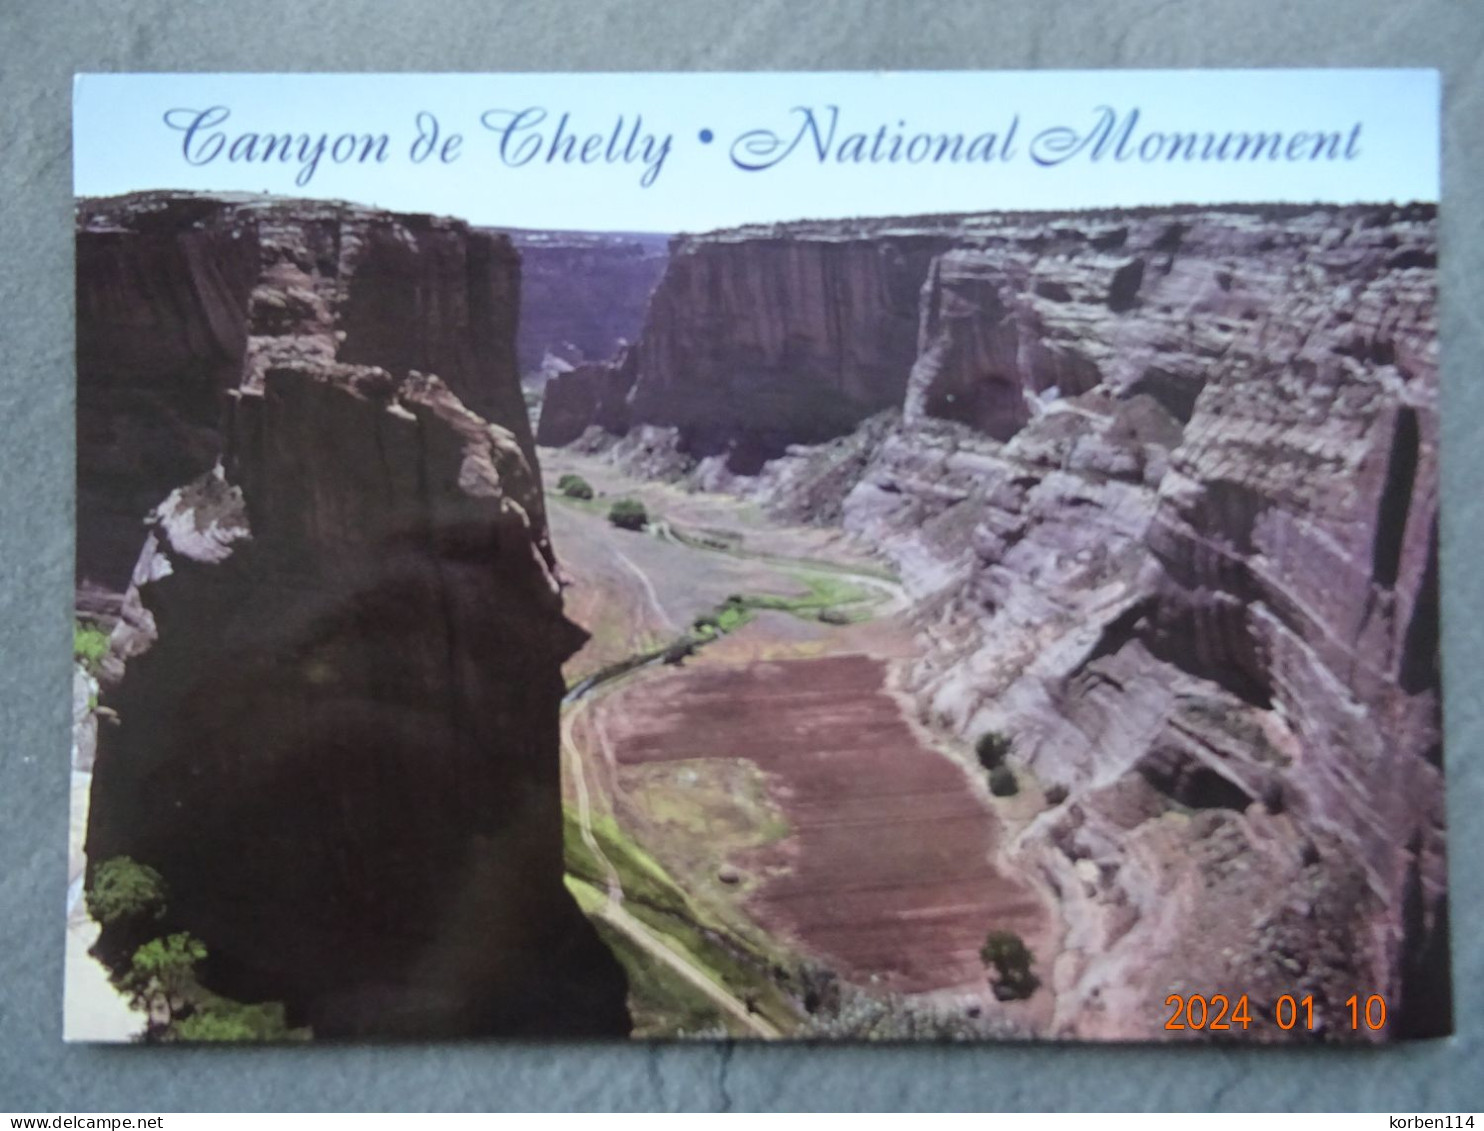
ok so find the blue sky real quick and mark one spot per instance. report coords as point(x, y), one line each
point(123, 143)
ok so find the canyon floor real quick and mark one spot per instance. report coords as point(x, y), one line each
point(769, 803)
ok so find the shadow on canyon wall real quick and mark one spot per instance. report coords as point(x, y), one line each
point(334, 671)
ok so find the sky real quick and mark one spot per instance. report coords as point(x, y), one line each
point(507, 168)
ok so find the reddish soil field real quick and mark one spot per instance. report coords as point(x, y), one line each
point(887, 870)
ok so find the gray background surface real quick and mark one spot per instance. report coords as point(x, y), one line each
point(45, 41)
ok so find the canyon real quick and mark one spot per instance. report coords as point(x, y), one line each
point(1064, 577)
point(311, 522)
point(583, 294)
point(1161, 487)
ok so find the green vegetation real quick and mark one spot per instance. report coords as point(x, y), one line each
point(702, 811)
point(1002, 782)
point(726, 617)
point(162, 981)
point(1005, 953)
point(628, 514)
point(218, 1019)
point(661, 1005)
point(159, 974)
point(124, 891)
point(730, 543)
point(575, 487)
point(824, 594)
point(161, 978)
point(826, 599)
point(89, 645)
point(652, 897)
point(993, 748)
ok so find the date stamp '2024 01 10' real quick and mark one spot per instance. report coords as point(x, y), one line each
point(1218, 1013)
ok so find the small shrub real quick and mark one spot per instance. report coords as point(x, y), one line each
point(628, 514)
point(731, 618)
point(219, 1019)
point(124, 890)
point(89, 645)
point(1005, 953)
point(833, 616)
point(1056, 794)
point(1002, 782)
point(678, 652)
point(992, 748)
point(575, 486)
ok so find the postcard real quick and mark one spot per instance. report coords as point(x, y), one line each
point(812, 557)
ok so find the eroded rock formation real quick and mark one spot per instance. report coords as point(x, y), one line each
point(336, 664)
point(1163, 484)
point(592, 394)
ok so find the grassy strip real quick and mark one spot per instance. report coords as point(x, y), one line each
point(661, 1004)
point(717, 546)
point(652, 897)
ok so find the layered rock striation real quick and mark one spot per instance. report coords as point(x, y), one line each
point(335, 665)
point(758, 339)
point(1163, 484)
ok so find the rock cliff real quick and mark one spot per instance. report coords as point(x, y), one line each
point(1163, 484)
point(591, 394)
point(335, 664)
point(758, 339)
point(583, 294)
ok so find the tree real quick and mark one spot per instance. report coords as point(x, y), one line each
point(89, 646)
point(574, 486)
point(628, 514)
point(1002, 782)
point(993, 748)
point(161, 979)
point(1005, 953)
point(124, 891)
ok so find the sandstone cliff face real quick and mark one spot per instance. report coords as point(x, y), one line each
point(170, 288)
point(583, 293)
point(1164, 487)
point(756, 340)
point(1197, 585)
point(592, 394)
point(336, 667)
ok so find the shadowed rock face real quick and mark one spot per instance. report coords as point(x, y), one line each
point(1164, 486)
point(583, 292)
point(170, 287)
point(591, 394)
point(755, 341)
point(337, 665)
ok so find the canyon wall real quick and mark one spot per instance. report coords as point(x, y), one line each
point(760, 338)
point(1196, 584)
point(1163, 486)
point(583, 294)
point(334, 671)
